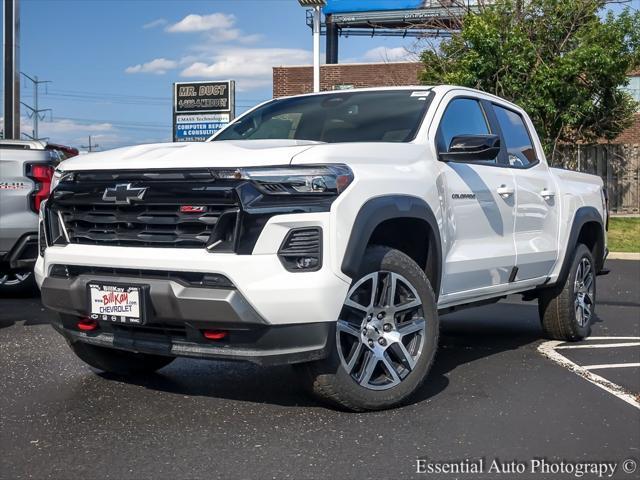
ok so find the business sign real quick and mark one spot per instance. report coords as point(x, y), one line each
point(200, 109)
point(358, 6)
point(198, 127)
point(348, 6)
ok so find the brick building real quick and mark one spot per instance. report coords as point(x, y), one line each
point(299, 79)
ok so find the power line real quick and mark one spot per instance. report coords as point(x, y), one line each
point(35, 111)
point(90, 147)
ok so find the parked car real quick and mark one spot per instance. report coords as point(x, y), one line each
point(325, 230)
point(26, 168)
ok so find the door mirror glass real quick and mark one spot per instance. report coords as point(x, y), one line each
point(472, 148)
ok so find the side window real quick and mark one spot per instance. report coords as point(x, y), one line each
point(463, 116)
point(520, 150)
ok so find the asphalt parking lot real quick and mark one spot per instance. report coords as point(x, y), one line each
point(491, 394)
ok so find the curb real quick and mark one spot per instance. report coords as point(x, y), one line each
point(623, 256)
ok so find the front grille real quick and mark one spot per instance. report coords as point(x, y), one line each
point(94, 212)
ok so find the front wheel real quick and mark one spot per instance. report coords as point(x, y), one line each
point(386, 336)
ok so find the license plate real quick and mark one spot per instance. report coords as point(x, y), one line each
point(116, 303)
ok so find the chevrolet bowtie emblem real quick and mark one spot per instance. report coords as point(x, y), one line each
point(123, 194)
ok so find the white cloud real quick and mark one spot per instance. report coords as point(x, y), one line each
point(56, 128)
point(158, 66)
point(74, 133)
point(251, 67)
point(160, 22)
point(384, 54)
point(202, 23)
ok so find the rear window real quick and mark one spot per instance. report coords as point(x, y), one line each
point(382, 116)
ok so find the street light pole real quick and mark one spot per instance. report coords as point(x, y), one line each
point(317, 8)
point(316, 49)
point(11, 59)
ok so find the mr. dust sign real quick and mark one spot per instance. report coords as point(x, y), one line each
point(200, 109)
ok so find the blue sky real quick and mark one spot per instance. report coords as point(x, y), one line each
point(112, 62)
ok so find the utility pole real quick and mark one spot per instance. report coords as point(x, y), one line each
point(91, 147)
point(11, 59)
point(35, 112)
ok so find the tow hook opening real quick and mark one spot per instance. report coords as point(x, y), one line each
point(87, 325)
point(215, 334)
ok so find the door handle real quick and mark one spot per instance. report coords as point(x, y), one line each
point(547, 194)
point(505, 191)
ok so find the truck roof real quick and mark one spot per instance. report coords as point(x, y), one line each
point(22, 144)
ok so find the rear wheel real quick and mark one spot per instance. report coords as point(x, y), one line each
point(567, 312)
point(386, 336)
point(119, 362)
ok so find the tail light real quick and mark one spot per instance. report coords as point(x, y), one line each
point(41, 174)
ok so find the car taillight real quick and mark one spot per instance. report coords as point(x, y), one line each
point(41, 175)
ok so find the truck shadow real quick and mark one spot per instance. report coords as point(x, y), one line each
point(26, 308)
point(466, 337)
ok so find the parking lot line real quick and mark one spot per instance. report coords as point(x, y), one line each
point(611, 365)
point(548, 349)
point(612, 338)
point(601, 345)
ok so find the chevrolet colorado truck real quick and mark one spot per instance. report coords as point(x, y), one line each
point(325, 230)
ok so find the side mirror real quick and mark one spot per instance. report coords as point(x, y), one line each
point(472, 148)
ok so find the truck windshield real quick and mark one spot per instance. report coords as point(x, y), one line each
point(372, 116)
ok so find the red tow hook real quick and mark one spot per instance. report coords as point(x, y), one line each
point(214, 334)
point(87, 325)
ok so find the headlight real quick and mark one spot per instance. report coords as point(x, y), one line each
point(311, 180)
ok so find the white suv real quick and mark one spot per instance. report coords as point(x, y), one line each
point(326, 230)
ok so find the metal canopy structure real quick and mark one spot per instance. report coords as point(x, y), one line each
point(433, 18)
point(437, 20)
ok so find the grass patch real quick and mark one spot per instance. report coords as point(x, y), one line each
point(624, 234)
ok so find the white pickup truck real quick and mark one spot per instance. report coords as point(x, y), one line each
point(325, 230)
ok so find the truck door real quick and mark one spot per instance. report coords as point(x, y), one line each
point(479, 205)
point(536, 226)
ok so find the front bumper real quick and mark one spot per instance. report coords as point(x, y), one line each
point(271, 316)
point(169, 300)
point(276, 295)
point(260, 344)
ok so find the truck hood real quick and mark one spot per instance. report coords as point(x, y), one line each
point(225, 154)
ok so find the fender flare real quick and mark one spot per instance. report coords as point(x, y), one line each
point(379, 209)
point(583, 216)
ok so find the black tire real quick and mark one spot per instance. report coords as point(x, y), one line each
point(12, 284)
point(558, 306)
point(329, 380)
point(119, 362)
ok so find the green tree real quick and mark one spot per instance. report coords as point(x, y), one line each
point(558, 59)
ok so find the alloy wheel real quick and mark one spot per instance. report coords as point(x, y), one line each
point(583, 292)
point(381, 331)
point(14, 278)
